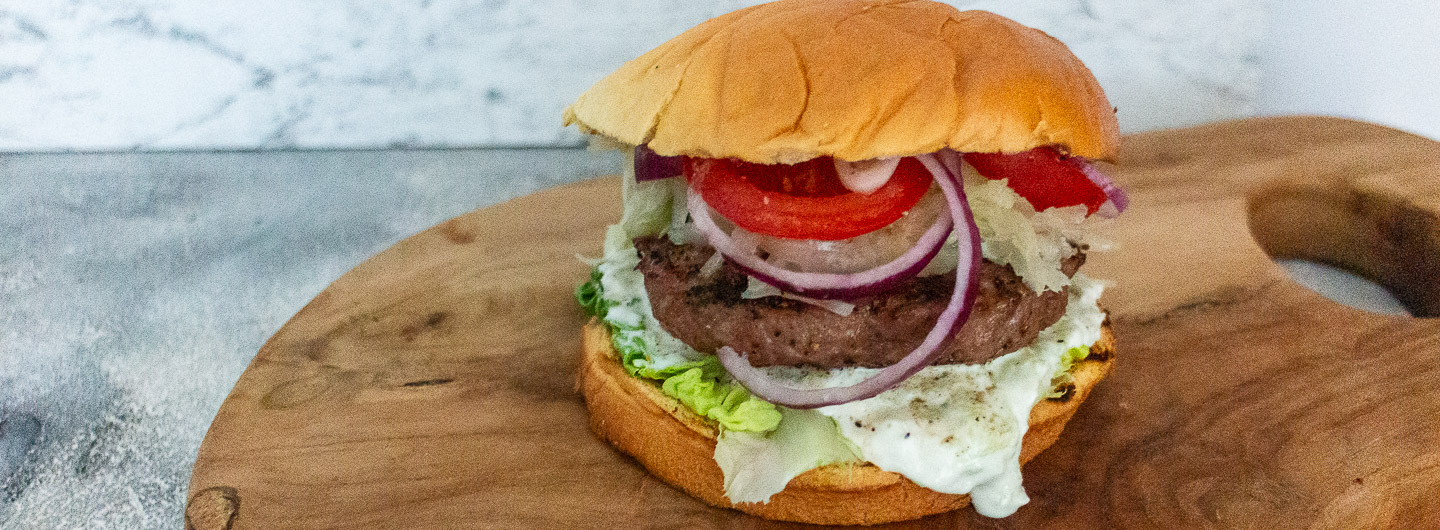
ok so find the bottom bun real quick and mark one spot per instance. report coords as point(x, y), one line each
point(678, 446)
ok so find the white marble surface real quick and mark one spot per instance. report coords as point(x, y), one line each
point(166, 74)
point(1374, 61)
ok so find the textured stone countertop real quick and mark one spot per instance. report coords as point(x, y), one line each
point(136, 287)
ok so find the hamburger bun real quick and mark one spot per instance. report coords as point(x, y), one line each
point(792, 80)
point(678, 446)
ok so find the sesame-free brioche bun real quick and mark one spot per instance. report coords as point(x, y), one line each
point(792, 80)
point(678, 446)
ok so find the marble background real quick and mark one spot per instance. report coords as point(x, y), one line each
point(244, 74)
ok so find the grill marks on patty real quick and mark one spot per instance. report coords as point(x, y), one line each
point(708, 312)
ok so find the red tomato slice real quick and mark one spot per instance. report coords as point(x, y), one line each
point(805, 200)
point(1042, 176)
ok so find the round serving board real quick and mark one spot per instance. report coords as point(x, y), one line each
point(433, 385)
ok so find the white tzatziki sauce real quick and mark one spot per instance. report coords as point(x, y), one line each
point(958, 428)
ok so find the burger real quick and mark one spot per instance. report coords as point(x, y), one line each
point(846, 286)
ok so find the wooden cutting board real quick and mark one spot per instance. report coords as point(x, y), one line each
point(433, 386)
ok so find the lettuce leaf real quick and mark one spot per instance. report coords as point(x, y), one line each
point(1063, 378)
point(757, 466)
point(702, 385)
point(589, 295)
point(1072, 356)
point(699, 387)
point(647, 204)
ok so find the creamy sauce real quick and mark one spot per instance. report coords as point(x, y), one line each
point(958, 428)
point(866, 176)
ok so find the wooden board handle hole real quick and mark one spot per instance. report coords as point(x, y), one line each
point(1375, 235)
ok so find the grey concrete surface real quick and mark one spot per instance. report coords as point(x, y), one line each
point(136, 287)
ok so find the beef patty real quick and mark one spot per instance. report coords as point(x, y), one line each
point(708, 312)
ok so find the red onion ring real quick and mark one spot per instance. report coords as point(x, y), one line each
point(651, 166)
point(1118, 199)
point(955, 314)
point(815, 284)
point(953, 162)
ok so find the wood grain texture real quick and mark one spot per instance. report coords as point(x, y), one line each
point(432, 386)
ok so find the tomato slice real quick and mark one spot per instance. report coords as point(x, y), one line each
point(1042, 176)
point(805, 200)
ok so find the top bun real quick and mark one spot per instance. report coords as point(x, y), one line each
point(792, 80)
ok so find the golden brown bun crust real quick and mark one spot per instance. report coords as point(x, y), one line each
point(678, 446)
point(790, 80)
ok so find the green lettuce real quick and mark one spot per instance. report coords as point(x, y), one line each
point(701, 385)
point(759, 465)
point(1072, 356)
point(648, 205)
point(590, 295)
point(1063, 378)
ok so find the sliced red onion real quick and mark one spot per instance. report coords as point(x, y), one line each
point(834, 306)
point(816, 284)
point(1118, 200)
point(651, 166)
point(953, 162)
point(743, 241)
point(712, 265)
point(866, 176)
point(955, 315)
point(758, 289)
point(857, 253)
